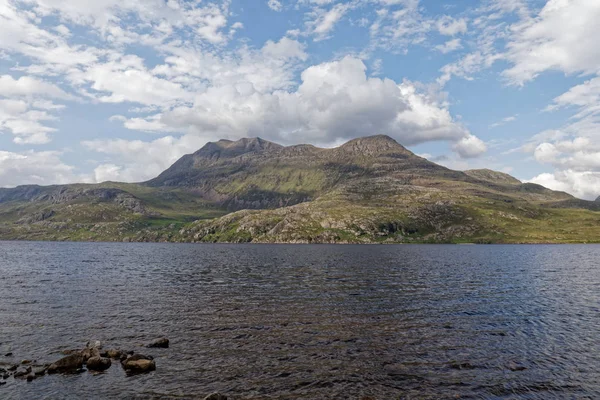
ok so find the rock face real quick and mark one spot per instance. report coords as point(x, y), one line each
point(159, 343)
point(138, 363)
point(70, 363)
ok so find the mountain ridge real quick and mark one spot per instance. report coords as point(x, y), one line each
point(367, 190)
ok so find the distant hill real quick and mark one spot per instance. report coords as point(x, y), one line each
point(368, 190)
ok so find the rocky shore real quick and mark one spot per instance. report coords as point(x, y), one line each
point(93, 358)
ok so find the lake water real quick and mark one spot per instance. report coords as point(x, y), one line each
point(308, 321)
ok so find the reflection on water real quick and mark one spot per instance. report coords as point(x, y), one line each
point(311, 322)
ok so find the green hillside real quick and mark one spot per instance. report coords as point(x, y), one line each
point(369, 190)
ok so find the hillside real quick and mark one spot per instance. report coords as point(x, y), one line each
point(368, 190)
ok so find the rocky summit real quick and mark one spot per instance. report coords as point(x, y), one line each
point(369, 190)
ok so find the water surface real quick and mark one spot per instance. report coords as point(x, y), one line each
point(308, 321)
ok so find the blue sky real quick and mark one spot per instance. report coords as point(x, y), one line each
point(120, 89)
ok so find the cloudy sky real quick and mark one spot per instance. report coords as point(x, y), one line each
point(120, 89)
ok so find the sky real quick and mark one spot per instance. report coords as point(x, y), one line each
point(120, 89)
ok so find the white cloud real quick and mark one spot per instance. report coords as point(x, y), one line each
point(325, 20)
point(336, 101)
point(449, 46)
point(398, 27)
point(31, 167)
point(176, 63)
point(504, 121)
point(470, 146)
point(275, 5)
point(24, 122)
point(30, 86)
point(562, 37)
point(449, 26)
point(25, 110)
point(126, 157)
point(127, 80)
point(582, 184)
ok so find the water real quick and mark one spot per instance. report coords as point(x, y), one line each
point(308, 322)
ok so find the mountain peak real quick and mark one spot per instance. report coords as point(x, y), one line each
point(597, 199)
point(229, 148)
point(373, 145)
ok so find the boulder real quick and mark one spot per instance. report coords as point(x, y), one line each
point(22, 372)
point(113, 353)
point(39, 371)
point(31, 376)
point(90, 352)
point(160, 343)
point(98, 363)
point(70, 363)
point(216, 396)
point(138, 363)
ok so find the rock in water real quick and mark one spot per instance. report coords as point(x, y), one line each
point(113, 353)
point(22, 372)
point(70, 363)
point(161, 343)
point(89, 352)
point(98, 363)
point(216, 396)
point(138, 363)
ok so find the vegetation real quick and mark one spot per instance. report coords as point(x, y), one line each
point(370, 190)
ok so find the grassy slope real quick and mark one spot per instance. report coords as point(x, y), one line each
point(352, 194)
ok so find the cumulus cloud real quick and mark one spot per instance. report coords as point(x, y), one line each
point(174, 69)
point(560, 38)
point(25, 110)
point(470, 146)
point(335, 101)
point(32, 167)
point(582, 184)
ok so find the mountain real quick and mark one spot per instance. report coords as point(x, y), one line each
point(368, 190)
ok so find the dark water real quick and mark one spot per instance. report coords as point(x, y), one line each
point(308, 322)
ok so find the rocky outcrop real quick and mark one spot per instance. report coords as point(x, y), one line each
point(90, 357)
point(138, 363)
point(68, 364)
point(97, 363)
point(115, 354)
